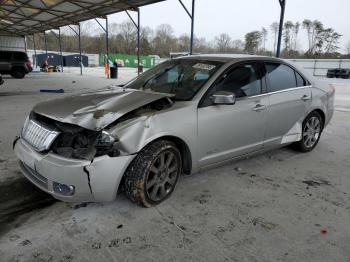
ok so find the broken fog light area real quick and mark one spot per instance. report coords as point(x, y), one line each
point(63, 189)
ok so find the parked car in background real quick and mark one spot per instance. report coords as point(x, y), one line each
point(182, 116)
point(338, 73)
point(15, 63)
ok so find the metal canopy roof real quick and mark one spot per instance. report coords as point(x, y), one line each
point(25, 17)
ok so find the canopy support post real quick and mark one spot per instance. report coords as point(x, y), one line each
point(45, 39)
point(60, 44)
point(280, 31)
point(105, 29)
point(191, 15)
point(138, 27)
point(35, 61)
point(80, 57)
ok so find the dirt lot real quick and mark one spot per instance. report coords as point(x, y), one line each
point(279, 206)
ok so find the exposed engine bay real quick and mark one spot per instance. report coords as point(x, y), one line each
point(81, 143)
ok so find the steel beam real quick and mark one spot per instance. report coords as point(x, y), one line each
point(107, 46)
point(105, 29)
point(138, 41)
point(58, 37)
point(138, 27)
point(60, 44)
point(280, 31)
point(45, 39)
point(35, 58)
point(80, 57)
point(192, 27)
point(191, 16)
point(25, 43)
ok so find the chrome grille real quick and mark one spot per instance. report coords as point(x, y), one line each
point(37, 135)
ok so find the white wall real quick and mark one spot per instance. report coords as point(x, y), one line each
point(319, 67)
point(13, 43)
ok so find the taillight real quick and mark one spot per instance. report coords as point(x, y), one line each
point(29, 63)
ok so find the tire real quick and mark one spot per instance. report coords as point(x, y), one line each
point(153, 174)
point(311, 133)
point(18, 73)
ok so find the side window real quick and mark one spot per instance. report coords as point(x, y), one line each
point(242, 81)
point(281, 76)
point(300, 80)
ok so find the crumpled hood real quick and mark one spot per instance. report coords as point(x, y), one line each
point(96, 110)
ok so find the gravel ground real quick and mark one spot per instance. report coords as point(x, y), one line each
point(278, 206)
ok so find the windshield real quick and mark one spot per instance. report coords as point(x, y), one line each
point(182, 78)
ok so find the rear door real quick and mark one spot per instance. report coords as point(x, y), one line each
point(290, 98)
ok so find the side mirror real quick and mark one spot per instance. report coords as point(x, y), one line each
point(223, 98)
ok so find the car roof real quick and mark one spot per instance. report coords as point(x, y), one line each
point(229, 57)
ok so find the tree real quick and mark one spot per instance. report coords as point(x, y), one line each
point(307, 25)
point(252, 41)
point(274, 28)
point(331, 40)
point(264, 37)
point(223, 43)
point(314, 31)
point(296, 29)
point(347, 47)
point(237, 46)
point(164, 40)
point(287, 34)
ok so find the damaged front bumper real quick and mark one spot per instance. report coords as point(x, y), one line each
point(92, 181)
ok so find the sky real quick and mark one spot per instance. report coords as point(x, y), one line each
point(236, 18)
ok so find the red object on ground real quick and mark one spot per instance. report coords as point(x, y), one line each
point(324, 231)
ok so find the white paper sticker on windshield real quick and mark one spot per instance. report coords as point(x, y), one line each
point(204, 66)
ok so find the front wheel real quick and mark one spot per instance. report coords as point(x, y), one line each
point(152, 176)
point(311, 133)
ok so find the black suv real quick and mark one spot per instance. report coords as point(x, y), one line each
point(15, 63)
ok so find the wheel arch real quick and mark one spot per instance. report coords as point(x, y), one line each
point(184, 149)
point(321, 113)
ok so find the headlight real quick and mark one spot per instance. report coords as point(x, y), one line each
point(105, 140)
point(106, 145)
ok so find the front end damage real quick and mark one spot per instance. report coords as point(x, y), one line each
point(83, 164)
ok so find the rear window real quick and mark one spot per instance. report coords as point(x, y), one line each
point(300, 80)
point(281, 77)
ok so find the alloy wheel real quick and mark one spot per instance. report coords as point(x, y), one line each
point(162, 176)
point(311, 132)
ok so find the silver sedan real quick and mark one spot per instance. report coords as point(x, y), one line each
point(180, 117)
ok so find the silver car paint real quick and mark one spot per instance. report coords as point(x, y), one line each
point(96, 110)
point(212, 134)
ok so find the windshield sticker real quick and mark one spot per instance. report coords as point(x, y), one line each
point(202, 66)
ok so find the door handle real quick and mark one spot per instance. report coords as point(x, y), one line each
point(306, 97)
point(259, 108)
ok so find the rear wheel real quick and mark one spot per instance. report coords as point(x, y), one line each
point(18, 73)
point(312, 129)
point(152, 176)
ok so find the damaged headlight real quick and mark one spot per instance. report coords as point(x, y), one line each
point(106, 144)
point(105, 139)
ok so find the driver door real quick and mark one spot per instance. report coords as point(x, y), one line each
point(228, 131)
